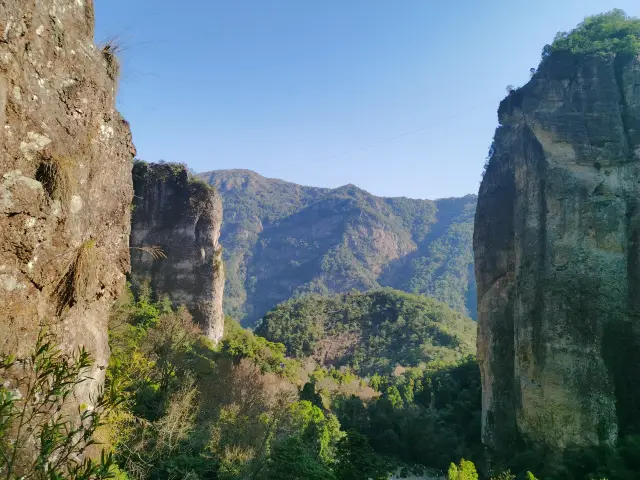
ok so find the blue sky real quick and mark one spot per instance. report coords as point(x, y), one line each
point(396, 96)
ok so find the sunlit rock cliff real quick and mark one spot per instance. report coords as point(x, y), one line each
point(65, 181)
point(556, 243)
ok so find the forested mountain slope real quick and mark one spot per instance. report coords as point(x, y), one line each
point(372, 332)
point(283, 239)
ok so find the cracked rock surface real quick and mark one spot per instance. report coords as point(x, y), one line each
point(65, 180)
point(182, 216)
point(557, 254)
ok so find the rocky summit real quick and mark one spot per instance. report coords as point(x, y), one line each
point(557, 253)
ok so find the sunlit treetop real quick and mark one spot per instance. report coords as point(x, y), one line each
point(609, 33)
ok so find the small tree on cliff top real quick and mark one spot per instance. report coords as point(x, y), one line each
point(613, 32)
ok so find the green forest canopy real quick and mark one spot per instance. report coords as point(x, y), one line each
point(613, 32)
point(371, 332)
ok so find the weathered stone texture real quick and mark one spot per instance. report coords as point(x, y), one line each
point(181, 216)
point(65, 181)
point(558, 261)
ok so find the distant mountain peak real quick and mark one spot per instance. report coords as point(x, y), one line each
point(282, 239)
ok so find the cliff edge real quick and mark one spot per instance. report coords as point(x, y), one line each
point(65, 181)
point(556, 243)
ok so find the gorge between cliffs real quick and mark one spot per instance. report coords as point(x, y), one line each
point(162, 324)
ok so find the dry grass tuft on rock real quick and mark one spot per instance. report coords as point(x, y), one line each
point(154, 250)
point(81, 278)
point(55, 176)
point(111, 48)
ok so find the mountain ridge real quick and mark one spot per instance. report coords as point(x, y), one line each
point(282, 239)
point(267, 179)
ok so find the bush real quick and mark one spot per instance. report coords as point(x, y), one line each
point(39, 436)
point(609, 33)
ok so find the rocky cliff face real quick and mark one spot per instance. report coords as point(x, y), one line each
point(283, 239)
point(181, 216)
point(557, 237)
point(65, 181)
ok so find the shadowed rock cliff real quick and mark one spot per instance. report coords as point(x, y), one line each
point(65, 181)
point(181, 216)
point(557, 255)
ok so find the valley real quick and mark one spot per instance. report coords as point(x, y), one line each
point(283, 240)
point(163, 324)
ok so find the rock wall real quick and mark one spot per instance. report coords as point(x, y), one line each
point(181, 216)
point(556, 243)
point(65, 181)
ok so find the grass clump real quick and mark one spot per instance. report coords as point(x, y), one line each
point(154, 250)
point(55, 176)
point(81, 278)
point(110, 50)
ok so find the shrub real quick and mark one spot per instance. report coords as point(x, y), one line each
point(613, 32)
point(39, 437)
point(465, 470)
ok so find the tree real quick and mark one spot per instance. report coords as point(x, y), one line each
point(465, 470)
point(608, 33)
point(356, 460)
point(292, 459)
point(309, 393)
point(321, 432)
point(39, 437)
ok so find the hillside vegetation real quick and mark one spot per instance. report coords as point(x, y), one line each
point(372, 332)
point(245, 411)
point(281, 240)
point(613, 32)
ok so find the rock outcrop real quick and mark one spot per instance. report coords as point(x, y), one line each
point(180, 215)
point(65, 181)
point(557, 250)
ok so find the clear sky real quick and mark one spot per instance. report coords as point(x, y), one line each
point(398, 97)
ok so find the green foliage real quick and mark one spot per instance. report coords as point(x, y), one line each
point(356, 460)
point(239, 343)
point(243, 410)
point(157, 355)
point(422, 417)
point(322, 432)
point(610, 33)
point(371, 332)
point(293, 459)
point(281, 238)
point(465, 470)
point(176, 419)
point(40, 436)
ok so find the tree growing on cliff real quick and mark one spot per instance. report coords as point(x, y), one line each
point(39, 436)
point(608, 33)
